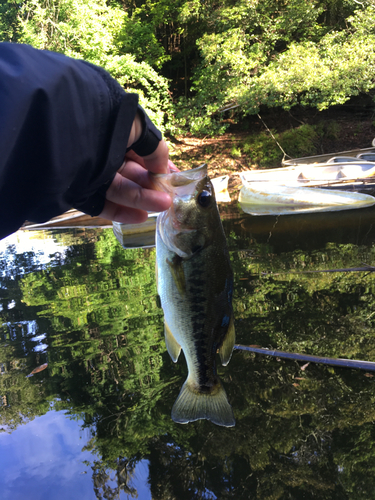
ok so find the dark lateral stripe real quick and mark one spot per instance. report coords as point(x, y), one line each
point(196, 282)
point(198, 316)
point(197, 306)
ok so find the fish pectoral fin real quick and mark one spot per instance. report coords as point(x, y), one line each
point(158, 301)
point(193, 405)
point(226, 348)
point(173, 346)
point(178, 274)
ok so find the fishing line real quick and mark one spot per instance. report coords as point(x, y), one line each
point(273, 137)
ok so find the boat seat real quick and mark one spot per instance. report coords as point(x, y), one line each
point(342, 159)
point(367, 156)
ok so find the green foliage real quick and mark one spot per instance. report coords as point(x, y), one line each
point(219, 60)
point(147, 83)
point(10, 24)
point(264, 151)
point(141, 34)
point(236, 152)
point(319, 75)
point(138, 38)
point(196, 116)
point(21, 401)
point(281, 56)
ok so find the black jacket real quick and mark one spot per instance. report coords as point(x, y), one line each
point(64, 128)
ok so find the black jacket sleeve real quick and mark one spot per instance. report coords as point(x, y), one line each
point(64, 128)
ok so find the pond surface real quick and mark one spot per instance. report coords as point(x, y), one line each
point(95, 422)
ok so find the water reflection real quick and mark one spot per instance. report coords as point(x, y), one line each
point(92, 315)
point(45, 459)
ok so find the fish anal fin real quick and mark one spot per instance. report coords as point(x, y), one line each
point(173, 346)
point(226, 348)
point(193, 405)
point(178, 274)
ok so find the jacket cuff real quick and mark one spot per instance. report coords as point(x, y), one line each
point(94, 204)
point(150, 137)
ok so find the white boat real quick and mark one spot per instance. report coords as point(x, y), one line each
point(311, 184)
point(258, 198)
point(329, 174)
point(367, 154)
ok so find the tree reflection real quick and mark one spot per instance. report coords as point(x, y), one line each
point(300, 433)
point(121, 475)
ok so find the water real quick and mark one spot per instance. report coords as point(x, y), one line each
point(95, 423)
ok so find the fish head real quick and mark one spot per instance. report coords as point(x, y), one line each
point(190, 224)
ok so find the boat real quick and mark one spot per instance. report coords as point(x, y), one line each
point(275, 199)
point(68, 220)
point(367, 154)
point(330, 175)
point(340, 181)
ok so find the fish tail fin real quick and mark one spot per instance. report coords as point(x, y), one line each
point(192, 405)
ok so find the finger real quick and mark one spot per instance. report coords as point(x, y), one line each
point(156, 162)
point(136, 173)
point(172, 167)
point(125, 192)
point(125, 215)
point(130, 155)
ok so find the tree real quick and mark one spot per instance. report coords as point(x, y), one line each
point(281, 54)
point(10, 22)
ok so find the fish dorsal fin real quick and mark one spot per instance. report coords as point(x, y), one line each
point(173, 346)
point(226, 348)
point(178, 274)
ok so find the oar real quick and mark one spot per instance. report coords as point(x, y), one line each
point(344, 363)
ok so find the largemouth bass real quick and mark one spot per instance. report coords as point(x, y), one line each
point(195, 286)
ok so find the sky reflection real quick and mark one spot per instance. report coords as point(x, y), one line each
point(44, 460)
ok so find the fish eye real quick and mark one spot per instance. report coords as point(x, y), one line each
point(204, 198)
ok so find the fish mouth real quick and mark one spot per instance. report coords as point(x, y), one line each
point(185, 177)
point(173, 181)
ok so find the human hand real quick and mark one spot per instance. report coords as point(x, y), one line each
point(158, 161)
point(130, 195)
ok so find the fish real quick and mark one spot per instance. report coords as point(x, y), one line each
point(195, 288)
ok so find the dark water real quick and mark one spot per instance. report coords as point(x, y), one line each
point(96, 422)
